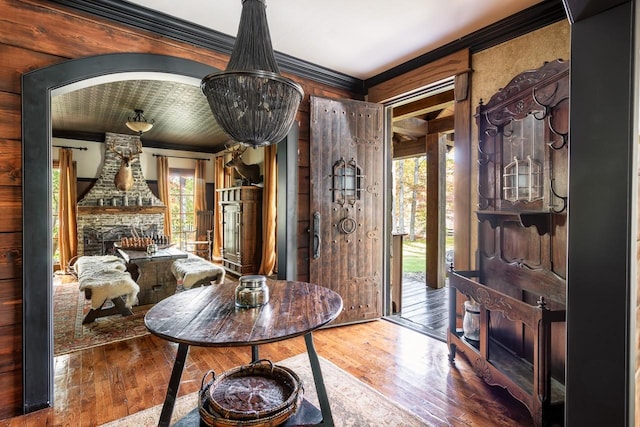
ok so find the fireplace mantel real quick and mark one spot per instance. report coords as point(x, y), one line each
point(110, 210)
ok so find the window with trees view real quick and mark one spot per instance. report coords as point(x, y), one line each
point(410, 197)
point(55, 222)
point(181, 195)
point(409, 211)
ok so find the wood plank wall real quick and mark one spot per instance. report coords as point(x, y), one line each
point(35, 34)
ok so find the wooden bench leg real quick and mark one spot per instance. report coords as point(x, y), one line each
point(118, 308)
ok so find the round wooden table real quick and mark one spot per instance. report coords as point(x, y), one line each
point(207, 317)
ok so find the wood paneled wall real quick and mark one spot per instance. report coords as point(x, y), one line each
point(35, 34)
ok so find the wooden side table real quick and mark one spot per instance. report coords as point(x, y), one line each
point(207, 317)
point(155, 279)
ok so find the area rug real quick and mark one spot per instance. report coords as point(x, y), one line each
point(69, 308)
point(353, 403)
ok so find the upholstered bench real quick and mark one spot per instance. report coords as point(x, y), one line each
point(102, 279)
point(195, 271)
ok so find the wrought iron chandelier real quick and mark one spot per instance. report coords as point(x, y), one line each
point(138, 123)
point(251, 101)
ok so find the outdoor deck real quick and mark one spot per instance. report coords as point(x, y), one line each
point(423, 309)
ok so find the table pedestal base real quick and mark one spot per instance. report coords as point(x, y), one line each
point(183, 317)
point(307, 414)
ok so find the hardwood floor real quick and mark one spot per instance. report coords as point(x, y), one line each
point(101, 384)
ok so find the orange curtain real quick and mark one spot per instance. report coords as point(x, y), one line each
point(219, 177)
point(163, 191)
point(269, 256)
point(67, 202)
point(200, 195)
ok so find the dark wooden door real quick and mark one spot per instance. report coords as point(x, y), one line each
point(347, 211)
point(231, 232)
point(241, 209)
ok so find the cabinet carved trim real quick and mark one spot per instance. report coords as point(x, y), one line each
point(531, 381)
point(526, 123)
point(540, 221)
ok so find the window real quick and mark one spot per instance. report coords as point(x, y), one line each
point(181, 195)
point(55, 221)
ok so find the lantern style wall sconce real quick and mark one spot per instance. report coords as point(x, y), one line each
point(347, 182)
point(522, 180)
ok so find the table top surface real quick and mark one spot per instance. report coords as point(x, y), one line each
point(168, 253)
point(207, 316)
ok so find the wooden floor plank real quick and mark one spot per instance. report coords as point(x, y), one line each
point(408, 367)
point(100, 384)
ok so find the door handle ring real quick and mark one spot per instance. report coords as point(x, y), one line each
point(347, 225)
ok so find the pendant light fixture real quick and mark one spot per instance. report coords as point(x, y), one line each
point(251, 101)
point(138, 123)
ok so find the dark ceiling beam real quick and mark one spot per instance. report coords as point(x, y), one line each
point(415, 127)
point(78, 135)
point(443, 124)
point(147, 143)
point(412, 127)
point(533, 18)
point(403, 149)
point(408, 149)
point(435, 102)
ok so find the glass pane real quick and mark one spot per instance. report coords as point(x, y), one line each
point(55, 188)
point(182, 203)
point(188, 185)
point(523, 153)
point(348, 182)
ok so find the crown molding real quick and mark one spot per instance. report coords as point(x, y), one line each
point(142, 18)
point(148, 143)
point(533, 18)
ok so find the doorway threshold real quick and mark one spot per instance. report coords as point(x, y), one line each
point(425, 330)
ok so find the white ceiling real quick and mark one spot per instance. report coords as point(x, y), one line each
point(360, 38)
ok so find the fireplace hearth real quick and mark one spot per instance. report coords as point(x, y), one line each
point(99, 241)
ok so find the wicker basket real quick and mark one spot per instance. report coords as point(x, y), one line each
point(258, 395)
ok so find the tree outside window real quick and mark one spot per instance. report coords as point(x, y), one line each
point(181, 194)
point(410, 197)
point(55, 221)
point(409, 210)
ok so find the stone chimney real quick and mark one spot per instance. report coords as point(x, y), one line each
point(105, 214)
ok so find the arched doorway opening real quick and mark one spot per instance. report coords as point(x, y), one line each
point(38, 86)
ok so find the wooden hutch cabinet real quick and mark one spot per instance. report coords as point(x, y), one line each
point(518, 293)
point(241, 209)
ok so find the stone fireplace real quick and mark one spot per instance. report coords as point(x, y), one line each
point(100, 241)
point(106, 214)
